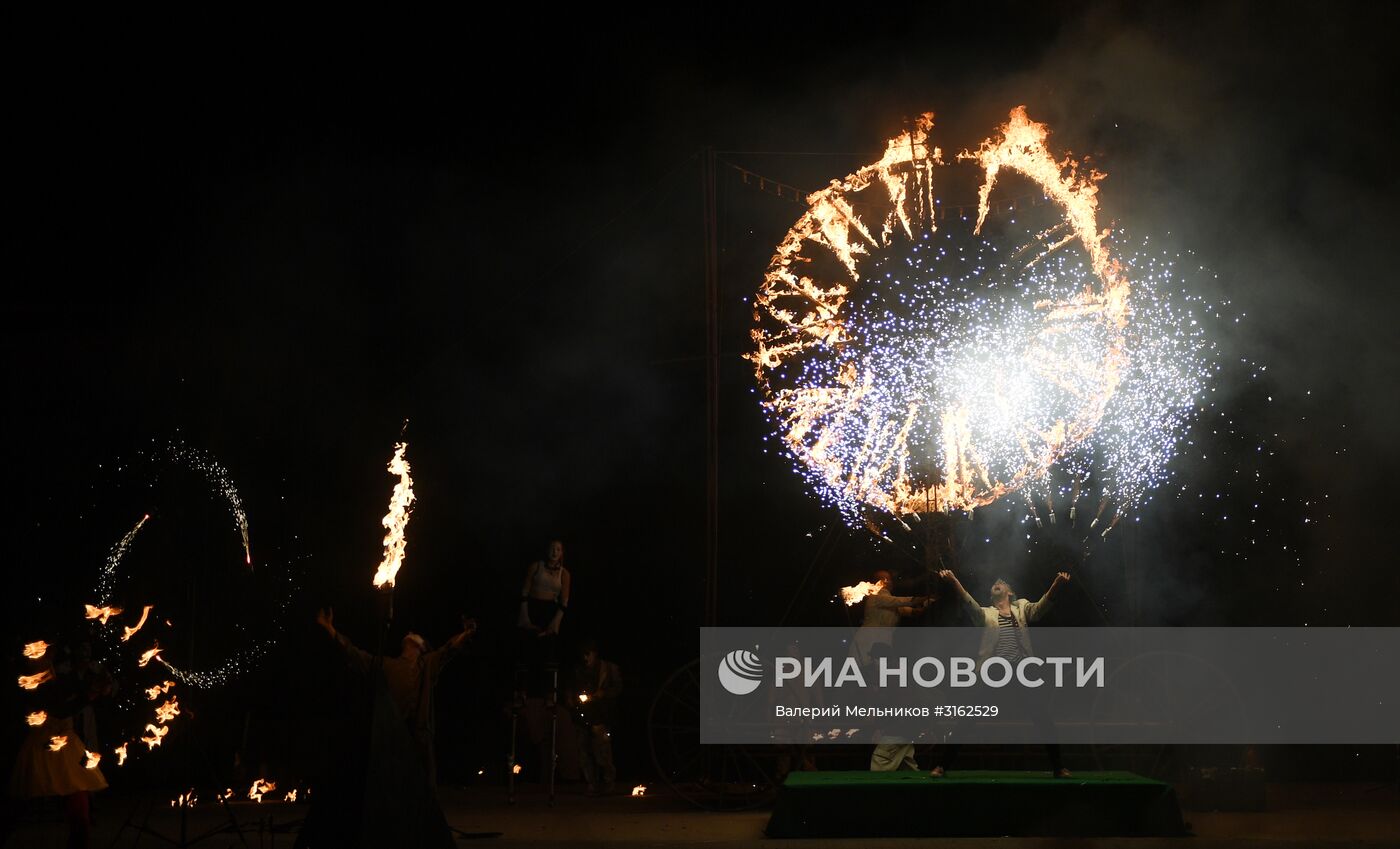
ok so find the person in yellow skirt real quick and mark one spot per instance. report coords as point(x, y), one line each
point(52, 760)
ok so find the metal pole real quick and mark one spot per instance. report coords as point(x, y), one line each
point(711, 246)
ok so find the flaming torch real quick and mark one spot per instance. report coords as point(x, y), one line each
point(35, 650)
point(396, 520)
point(260, 788)
point(858, 593)
point(57, 742)
point(37, 718)
point(30, 682)
point(92, 759)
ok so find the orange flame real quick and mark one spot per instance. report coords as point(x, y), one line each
point(154, 736)
point(260, 787)
point(120, 752)
point(148, 654)
point(167, 712)
point(185, 800)
point(57, 742)
point(101, 614)
point(153, 693)
point(582, 698)
point(515, 769)
point(857, 593)
point(30, 682)
point(128, 632)
point(639, 790)
point(92, 759)
point(291, 796)
point(37, 718)
point(396, 520)
point(36, 649)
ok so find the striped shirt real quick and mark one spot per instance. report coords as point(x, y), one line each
point(1008, 641)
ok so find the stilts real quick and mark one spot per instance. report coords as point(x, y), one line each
point(517, 707)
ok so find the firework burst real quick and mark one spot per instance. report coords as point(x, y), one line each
point(913, 361)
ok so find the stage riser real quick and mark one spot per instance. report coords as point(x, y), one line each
point(863, 804)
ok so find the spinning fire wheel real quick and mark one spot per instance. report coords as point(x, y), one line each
point(713, 777)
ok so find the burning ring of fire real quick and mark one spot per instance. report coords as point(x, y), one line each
point(956, 430)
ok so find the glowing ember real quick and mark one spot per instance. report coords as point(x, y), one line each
point(154, 735)
point(102, 614)
point(396, 520)
point(582, 698)
point(120, 752)
point(30, 682)
point(639, 790)
point(260, 788)
point(291, 796)
point(153, 693)
point(92, 760)
point(35, 650)
point(167, 712)
point(127, 633)
point(36, 718)
point(148, 655)
point(57, 742)
point(852, 595)
point(913, 362)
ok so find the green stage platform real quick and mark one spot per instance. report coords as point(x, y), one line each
point(974, 804)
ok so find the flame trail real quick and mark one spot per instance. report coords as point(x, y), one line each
point(37, 718)
point(152, 693)
point(154, 735)
point(120, 752)
point(92, 759)
point(36, 649)
point(396, 520)
point(857, 593)
point(127, 633)
point(57, 742)
point(149, 654)
point(291, 796)
point(260, 788)
point(101, 614)
point(167, 711)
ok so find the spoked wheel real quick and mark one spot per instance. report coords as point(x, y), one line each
point(715, 778)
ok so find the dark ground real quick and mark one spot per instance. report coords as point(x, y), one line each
point(1299, 815)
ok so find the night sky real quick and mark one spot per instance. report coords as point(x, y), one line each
point(277, 253)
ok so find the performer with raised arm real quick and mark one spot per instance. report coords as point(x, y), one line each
point(410, 677)
point(882, 613)
point(1005, 635)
